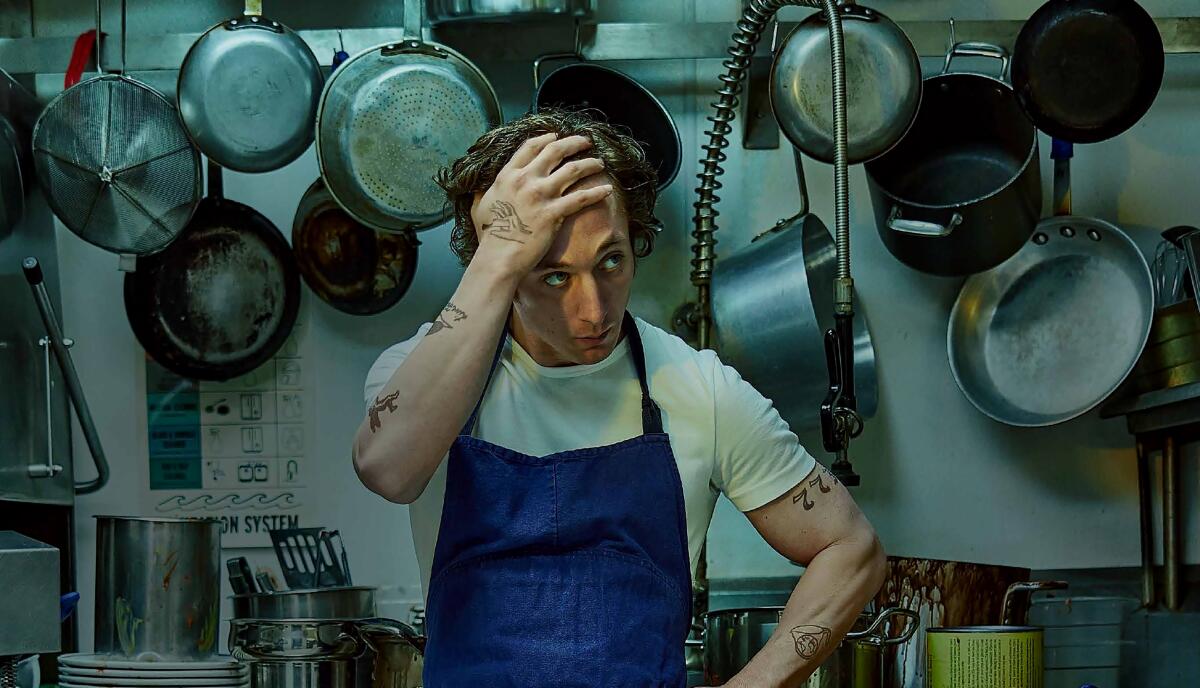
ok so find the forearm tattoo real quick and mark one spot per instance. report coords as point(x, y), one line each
point(506, 224)
point(817, 485)
point(387, 403)
point(810, 640)
point(448, 314)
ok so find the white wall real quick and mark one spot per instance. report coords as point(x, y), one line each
point(940, 480)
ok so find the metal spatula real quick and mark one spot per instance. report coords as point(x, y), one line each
point(309, 558)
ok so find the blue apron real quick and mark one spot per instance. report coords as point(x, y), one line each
point(569, 569)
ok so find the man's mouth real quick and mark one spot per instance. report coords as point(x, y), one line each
point(598, 339)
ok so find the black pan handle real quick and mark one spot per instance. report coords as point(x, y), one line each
point(33, 274)
point(216, 180)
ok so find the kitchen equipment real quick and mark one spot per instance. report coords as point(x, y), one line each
point(158, 585)
point(1188, 239)
point(772, 302)
point(78, 670)
point(1009, 656)
point(733, 636)
point(248, 91)
point(115, 164)
point(1051, 332)
point(309, 559)
point(222, 299)
point(54, 341)
point(1169, 269)
point(621, 101)
point(335, 603)
point(29, 570)
point(12, 180)
point(882, 71)
point(241, 580)
point(942, 593)
point(352, 267)
point(1172, 354)
point(398, 653)
point(506, 10)
point(390, 118)
point(1087, 70)
point(962, 191)
point(1084, 639)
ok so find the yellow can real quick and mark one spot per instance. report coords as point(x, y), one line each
point(983, 657)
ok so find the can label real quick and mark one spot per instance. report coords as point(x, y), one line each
point(984, 660)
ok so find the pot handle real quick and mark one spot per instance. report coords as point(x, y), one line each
point(872, 635)
point(978, 49)
point(922, 228)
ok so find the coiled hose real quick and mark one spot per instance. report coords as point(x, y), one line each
point(750, 27)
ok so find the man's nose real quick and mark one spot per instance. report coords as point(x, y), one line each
point(590, 306)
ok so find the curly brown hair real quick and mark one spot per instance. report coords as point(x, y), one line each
point(633, 178)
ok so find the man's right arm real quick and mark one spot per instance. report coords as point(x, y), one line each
point(420, 410)
point(415, 418)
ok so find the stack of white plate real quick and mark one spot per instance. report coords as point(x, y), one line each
point(105, 671)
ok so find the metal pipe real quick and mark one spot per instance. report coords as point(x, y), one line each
point(1172, 546)
point(33, 274)
point(1146, 518)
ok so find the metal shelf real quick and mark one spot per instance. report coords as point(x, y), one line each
point(598, 41)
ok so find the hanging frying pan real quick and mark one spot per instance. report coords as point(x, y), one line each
point(1087, 70)
point(248, 91)
point(623, 102)
point(352, 267)
point(221, 299)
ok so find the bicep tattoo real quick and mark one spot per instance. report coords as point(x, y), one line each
point(448, 314)
point(810, 640)
point(816, 486)
point(506, 223)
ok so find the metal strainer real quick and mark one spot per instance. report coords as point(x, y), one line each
point(116, 165)
point(390, 117)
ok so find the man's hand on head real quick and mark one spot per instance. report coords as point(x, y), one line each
point(519, 216)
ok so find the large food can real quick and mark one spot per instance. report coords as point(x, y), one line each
point(984, 657)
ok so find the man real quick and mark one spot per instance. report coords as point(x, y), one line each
point(563, 458)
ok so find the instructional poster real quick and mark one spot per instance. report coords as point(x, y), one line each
point(236, 449)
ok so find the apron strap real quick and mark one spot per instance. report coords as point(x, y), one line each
point(651, 414)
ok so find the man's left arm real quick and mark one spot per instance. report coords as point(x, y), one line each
point(817, 524)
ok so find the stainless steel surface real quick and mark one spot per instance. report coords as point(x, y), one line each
point(1145, 523)
point(303, 674)
point(733, 636)
point(12, 178)
point(157, 587)
point(505, 10)
point(1191, 250)
point(1050, 333)
point(398, 653)
point(352, 602)
point(29, 577)
point(772, 302)
point(884, 77)
point(962, 191)
point(1172, 525)
point(56, 342)
point(1018, 596)
point(23, 417)
point(409, 106)
point(292, 639)
point(248, 92)
point(1170, 264)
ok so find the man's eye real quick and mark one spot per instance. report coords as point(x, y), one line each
point(555, 279)
point(613, 262)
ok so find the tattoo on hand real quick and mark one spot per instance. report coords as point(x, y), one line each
point(443, 322)
point(382, 404)
point(818, 483)
point(506, 224)
point(810, 640)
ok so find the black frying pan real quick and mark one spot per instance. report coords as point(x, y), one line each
point(1087, 70)
point(352, 267)
point(221, 299)
point(623, 102)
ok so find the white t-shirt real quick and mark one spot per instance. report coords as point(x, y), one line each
point(726, 437)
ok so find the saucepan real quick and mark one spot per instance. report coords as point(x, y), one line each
point(733, 636)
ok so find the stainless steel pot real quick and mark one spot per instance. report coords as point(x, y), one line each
point(962, 191)
point(772, 302)
point(733, 636)
point(158, 587)
point(340, 603)
point(398, 653)
point(883, 75)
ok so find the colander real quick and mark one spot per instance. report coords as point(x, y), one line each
point(393, 115)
